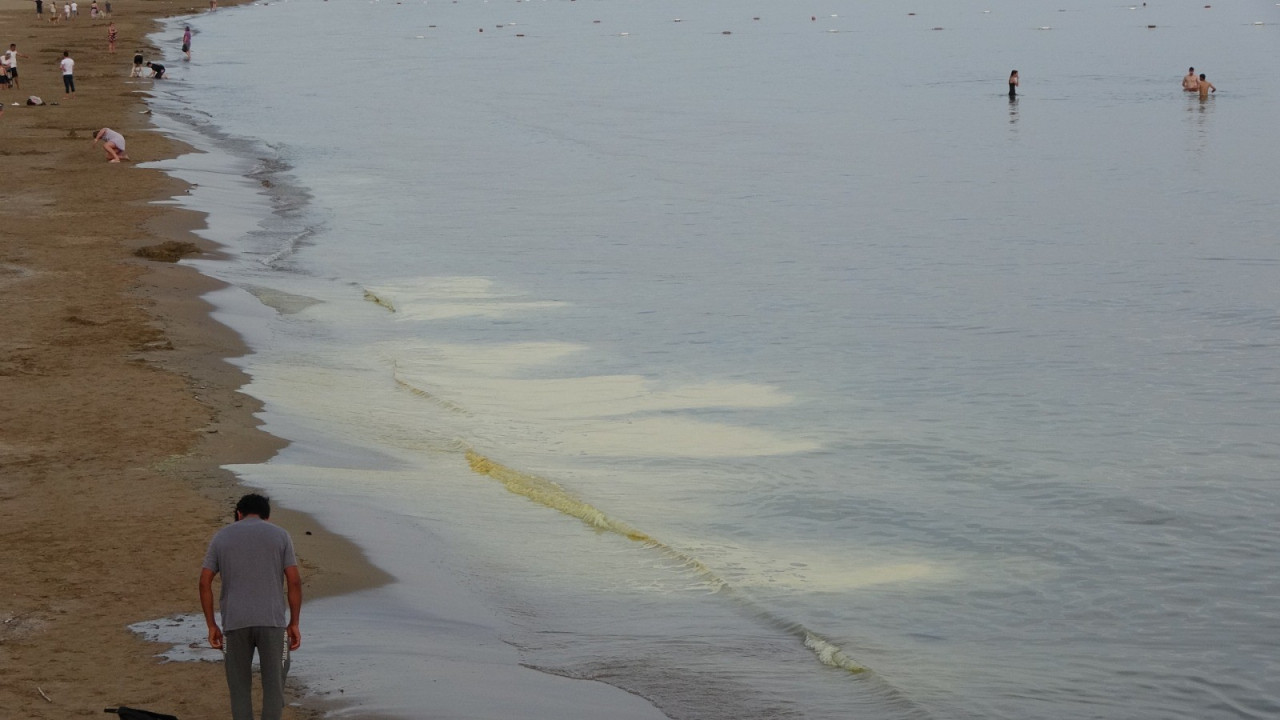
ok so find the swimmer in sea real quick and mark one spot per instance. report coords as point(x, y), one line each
point(1190, 83)
point(1013, 84)
point(1205, 86)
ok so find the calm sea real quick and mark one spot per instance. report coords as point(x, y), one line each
point(761, 359)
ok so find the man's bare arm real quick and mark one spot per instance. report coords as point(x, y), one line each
point(206, 604)
point(294, 582)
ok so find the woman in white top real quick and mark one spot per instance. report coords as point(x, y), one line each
point(113, 143)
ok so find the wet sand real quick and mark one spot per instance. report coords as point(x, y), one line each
point(118, 407)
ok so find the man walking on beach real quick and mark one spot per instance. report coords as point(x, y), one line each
point(255, 559)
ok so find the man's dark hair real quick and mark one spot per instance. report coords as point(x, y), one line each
point(254, 504)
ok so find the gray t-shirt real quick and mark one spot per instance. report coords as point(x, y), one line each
point(251, 556)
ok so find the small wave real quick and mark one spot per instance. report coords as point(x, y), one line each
point(550, 494)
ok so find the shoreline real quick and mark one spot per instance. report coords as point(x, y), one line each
point(121, 405)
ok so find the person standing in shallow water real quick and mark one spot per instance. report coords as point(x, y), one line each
point(1204, 87)
point(1013, 84)
point(186, 42)
point(1189, 82)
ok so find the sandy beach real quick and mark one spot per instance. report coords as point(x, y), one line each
point(118, 406)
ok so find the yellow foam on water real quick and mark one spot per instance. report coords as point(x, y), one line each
point(378, 300)
point(551, 495)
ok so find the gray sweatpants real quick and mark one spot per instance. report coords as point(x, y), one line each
point(272, 644)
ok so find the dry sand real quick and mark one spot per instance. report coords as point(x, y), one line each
point(116, 407)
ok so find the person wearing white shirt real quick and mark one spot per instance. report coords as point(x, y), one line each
point(11, 59)
point(68, 69)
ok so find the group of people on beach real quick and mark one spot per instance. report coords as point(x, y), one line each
point(157, 70)
point(9, 67)
point(9, 70)
point(71, 10)
point(113, 143)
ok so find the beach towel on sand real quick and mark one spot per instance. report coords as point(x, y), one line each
point(128, 713)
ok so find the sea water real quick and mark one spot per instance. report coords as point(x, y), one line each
point(760, 360)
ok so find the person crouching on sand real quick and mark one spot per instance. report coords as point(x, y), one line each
point(113, 143)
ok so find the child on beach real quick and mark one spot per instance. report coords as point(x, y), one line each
point(111, 37)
